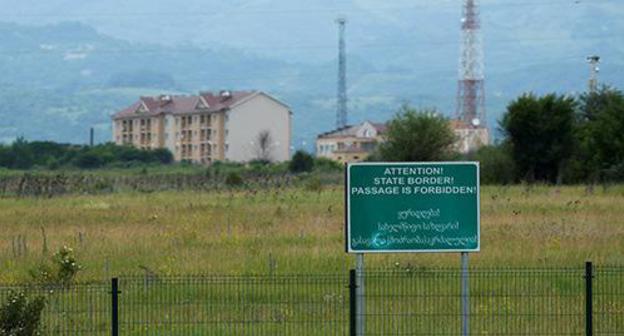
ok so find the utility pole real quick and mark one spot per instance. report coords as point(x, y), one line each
point(594, 69)
point(91, 137)
point(471, 85)
point(341, 112)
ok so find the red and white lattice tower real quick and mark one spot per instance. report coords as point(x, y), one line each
point(471, 86)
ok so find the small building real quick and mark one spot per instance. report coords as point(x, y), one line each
point(469, 137)
point(208, 127)
point(351, 143)
point(357, 143)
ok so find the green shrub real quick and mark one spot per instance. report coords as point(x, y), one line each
point(301, 162)
point(314, 184)
point(327, 165)
point(233, 179)
point(60, 271)
point(20, 315)
point(496, 164)
point(67, 265)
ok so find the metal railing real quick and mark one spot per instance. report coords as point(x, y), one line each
point(405, 301)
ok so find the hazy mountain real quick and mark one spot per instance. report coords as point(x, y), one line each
point(72, 75)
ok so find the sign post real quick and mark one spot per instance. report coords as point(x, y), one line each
point(465, 294)
point(412, 208)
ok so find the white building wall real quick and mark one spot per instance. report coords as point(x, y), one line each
point(245, 121)
point(114, 129)
point(170, 133)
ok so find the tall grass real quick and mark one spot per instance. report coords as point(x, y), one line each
point(290, 230)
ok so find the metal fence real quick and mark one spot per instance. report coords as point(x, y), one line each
point(413, 301)
point(502, 302)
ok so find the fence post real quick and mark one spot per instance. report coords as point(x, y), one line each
point(115, 307)
point(589, 304)
point(352, 303)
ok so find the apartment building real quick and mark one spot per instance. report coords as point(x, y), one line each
point(208, 127)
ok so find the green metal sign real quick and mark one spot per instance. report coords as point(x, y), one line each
point(412, 207)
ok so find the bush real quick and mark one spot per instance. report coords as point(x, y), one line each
point(20, 315)
point(233, 179)
point(327, 165)
point(496, 164)
point(26, 155)
point(301, 162)
point(62, 271)
point(67, 264)
point(87, 160)
point(314, 184)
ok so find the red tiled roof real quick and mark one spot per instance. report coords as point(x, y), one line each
point(183, 104)
point(351, 131)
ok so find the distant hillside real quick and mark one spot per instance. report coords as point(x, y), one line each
point(60, 78)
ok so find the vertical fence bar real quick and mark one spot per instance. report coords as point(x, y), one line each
point(352, 303)
point(115, 307)
point(589, 300)
point(361, 299)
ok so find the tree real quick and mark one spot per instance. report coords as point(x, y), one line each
point(301, 162)
point(88, 160)
point(263, 146)
point(541, 133)
point(23, 158)
point(495, 164)
point(415, 135)
point(601, 115)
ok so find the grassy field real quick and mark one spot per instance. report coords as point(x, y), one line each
point(290, 231)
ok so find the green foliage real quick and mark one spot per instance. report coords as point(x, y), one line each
point(326, 165)
point(541, 133)
point(418, 135)
point(67, 265)
point(233, 179)
point(314, 184)
point(27, 155)
point(496, 164)
point(21, 315)
point(301, 162)
point(601, 114)
point(63, 269)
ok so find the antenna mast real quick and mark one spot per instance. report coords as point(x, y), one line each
point(471, 85)
point(593, 61)
point(341, 113)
